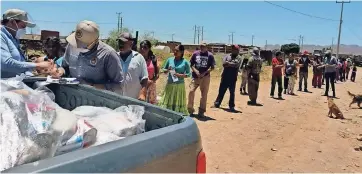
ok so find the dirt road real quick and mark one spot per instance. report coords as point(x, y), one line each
point(294, 135)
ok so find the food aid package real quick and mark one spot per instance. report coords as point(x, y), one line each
point(27, 130)
point(123, 121)
point(85, 135)
point(105, 137)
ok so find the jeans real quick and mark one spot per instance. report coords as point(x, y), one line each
point(286, 82)
point(276, 79)
point(353, 76)
point(224, 85)
point(330, 77)
point(303, 75)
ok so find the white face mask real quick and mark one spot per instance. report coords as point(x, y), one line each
point(20, 33)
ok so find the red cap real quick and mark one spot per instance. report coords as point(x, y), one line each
point(235, 46)
point(305, 53)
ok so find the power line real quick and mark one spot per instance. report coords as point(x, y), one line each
point(305, 14)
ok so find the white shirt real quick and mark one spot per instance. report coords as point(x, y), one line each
point(134, 71)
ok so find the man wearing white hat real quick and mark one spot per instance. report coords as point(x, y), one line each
point(90, 60)
point(13, 62)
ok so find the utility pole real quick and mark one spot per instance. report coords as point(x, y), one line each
point(153, 34)
point(202, 33)
point(229, 38)
point(340, 26)
point(301, 48)
point(266, 44)
point(198, 35)
point(172, 35)
point(195, 34)
point(232, 37)
point(119, 19)
point(332, 44)
point(252, 40)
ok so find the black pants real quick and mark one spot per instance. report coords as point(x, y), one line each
point(276, 79)
point(341, 75)
point(224, 85)
point(286, 81)
point(253, 87)
point(330, 77)
point(353, 76)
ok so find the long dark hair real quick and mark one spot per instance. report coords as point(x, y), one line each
point(151, 56)
point(182, 49)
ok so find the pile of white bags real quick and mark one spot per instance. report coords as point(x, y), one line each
point(30, 128)
point(34, 127)
point(122, 122)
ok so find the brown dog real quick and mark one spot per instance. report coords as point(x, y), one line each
point(356, 99)
point(333, 109)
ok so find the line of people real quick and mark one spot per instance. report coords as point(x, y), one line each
point(134, 74)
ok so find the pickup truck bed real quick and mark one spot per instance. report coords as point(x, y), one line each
point(171, 143)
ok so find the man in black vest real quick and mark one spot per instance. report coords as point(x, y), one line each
point(304, 62)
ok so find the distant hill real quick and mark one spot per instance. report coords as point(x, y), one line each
point(343, 49)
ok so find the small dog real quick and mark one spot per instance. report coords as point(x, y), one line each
point(356, 99)
point(333, 109)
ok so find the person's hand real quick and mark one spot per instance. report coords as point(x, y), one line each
point(59, 72)
point(197, 73)
point(170, 68)
point(178, 75)
point(44, 65)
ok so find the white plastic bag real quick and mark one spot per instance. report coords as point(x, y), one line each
point(26, 117)
point(105, 137)
point(123, 121)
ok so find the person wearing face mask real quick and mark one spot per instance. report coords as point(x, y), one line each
point(134, 69)
point(13, 61)
point(254, 66)
point(90, 60)
point(229, 76)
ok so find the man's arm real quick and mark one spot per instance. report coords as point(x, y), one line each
point(212, 66)
point(113, 70)
point(9, 64)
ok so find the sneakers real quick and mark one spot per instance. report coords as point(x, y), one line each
point(306, 90)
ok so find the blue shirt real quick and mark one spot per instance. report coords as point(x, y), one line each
point(134, 72)
point(12, 59)
point(181, 66)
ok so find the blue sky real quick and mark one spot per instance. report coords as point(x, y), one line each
point(265, 21)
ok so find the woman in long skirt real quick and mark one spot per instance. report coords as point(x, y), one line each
point(174, 95)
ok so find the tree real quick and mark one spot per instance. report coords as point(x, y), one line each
point(150, 37)
point(113, 35)
point(290, 48)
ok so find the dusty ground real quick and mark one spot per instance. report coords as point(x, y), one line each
point(294, 135)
